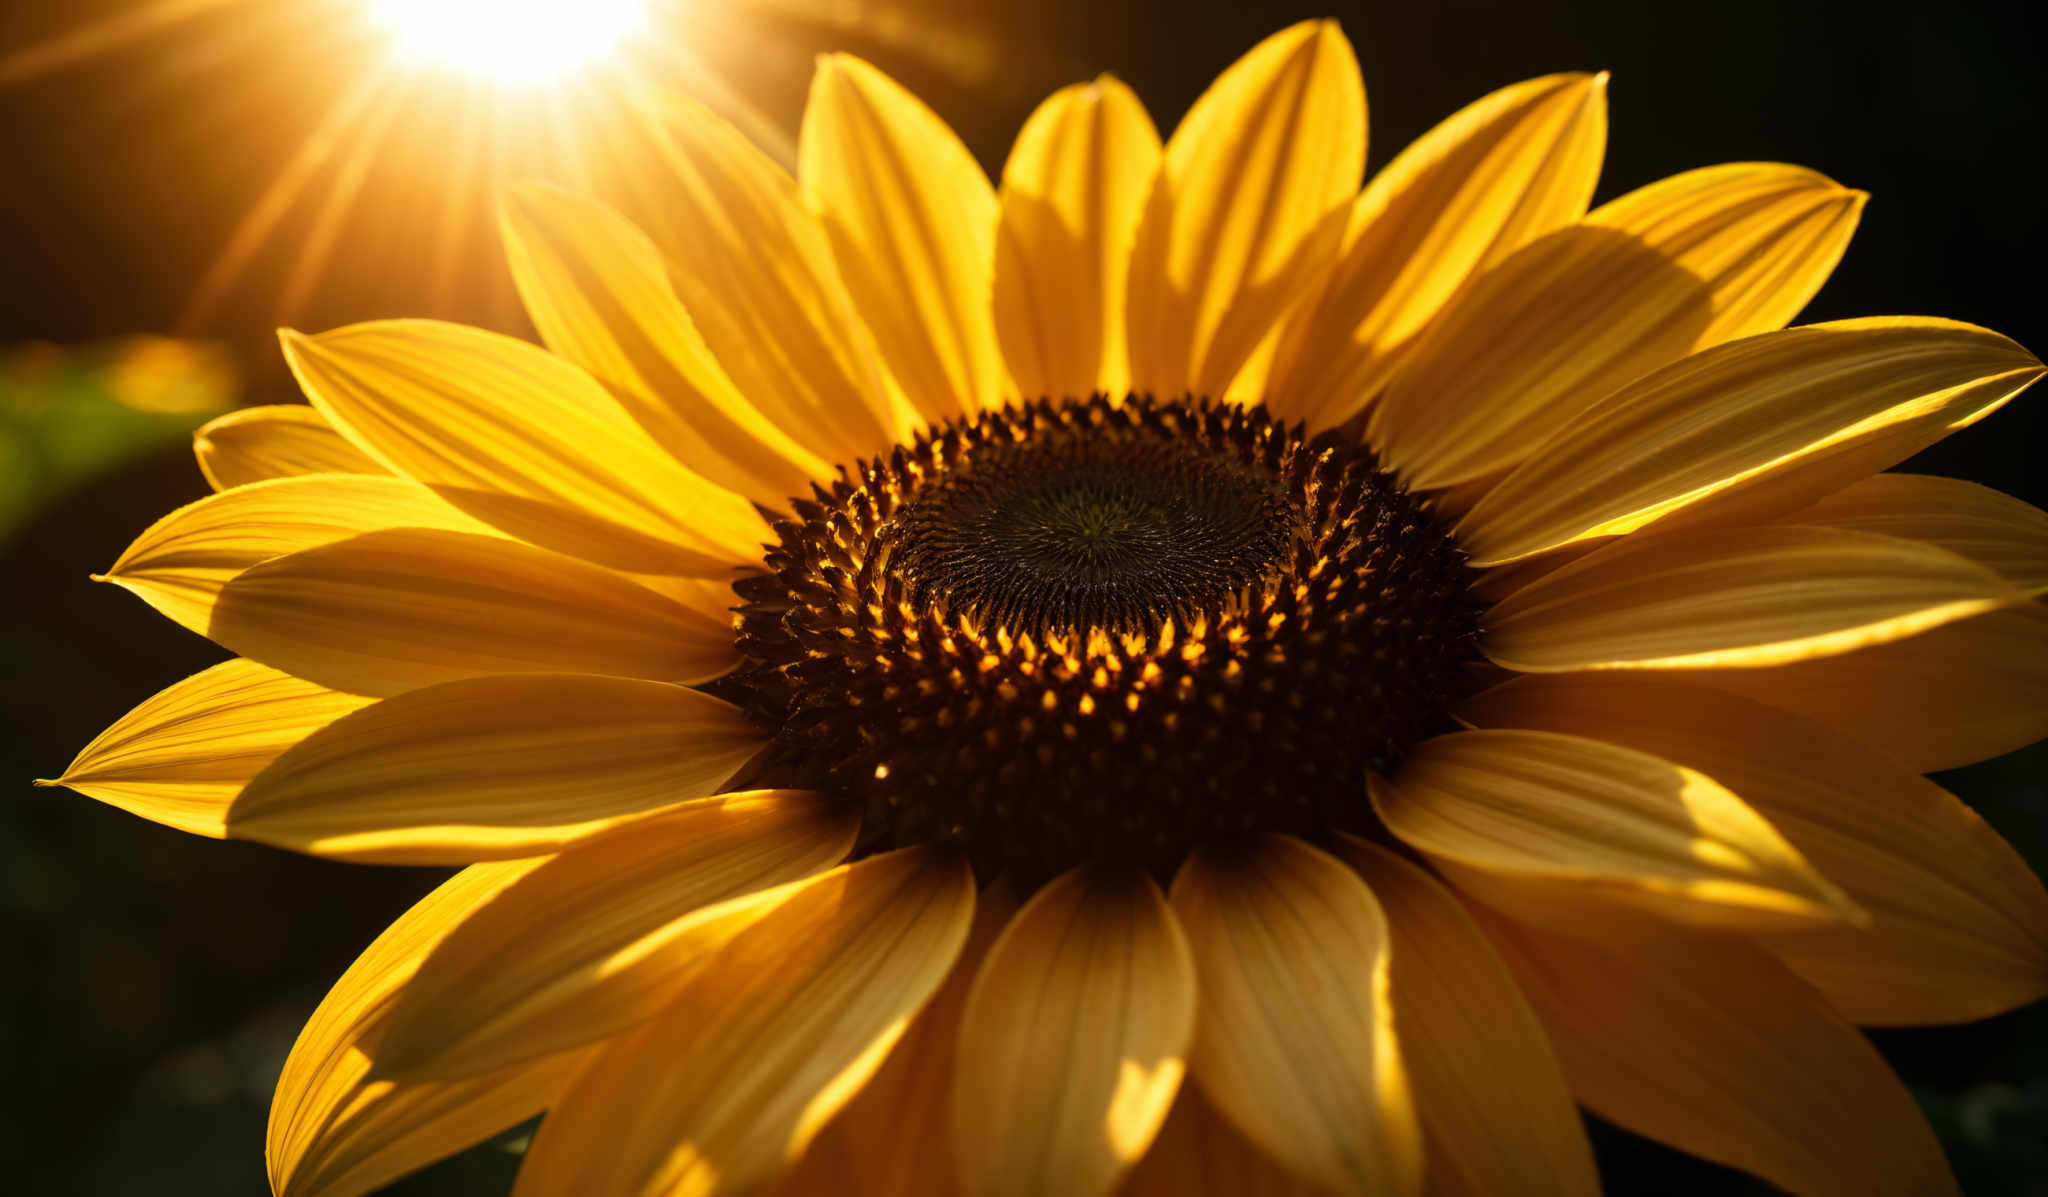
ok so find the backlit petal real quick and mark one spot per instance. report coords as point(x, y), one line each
point(912, 220)
point(1527, 810)
point(765, 1041)
point(599, 293)
point(596, 939)
point(895, 1137)
point(183, 755)
point(1496, 1112)
point(281, 441)
point(1694, 260)
point(1074, 1040)
point(1710, 1045)
point(1995, 530)
point(1962, 693)
point(1249, 205)
point(1500, 173)
point(1199, 1154)
point(524, 441)
point(336, 1133)
point(1072, 191)
point(1806, 403)
point(493, 768)
point(754, 267)
point(1958, 924)
point(1295, 1043)
point(1740, 597)
point(388, 611)
point(182, 561)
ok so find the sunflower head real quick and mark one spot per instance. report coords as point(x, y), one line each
point(917, 668)
point(1085, 630)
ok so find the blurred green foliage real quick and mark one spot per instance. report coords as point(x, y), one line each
point(68, 415)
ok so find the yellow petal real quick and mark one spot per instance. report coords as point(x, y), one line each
point(1740, 597)
point(1694, 260)
point(1496, 1112)
point(1958, 924)
point(384, 612)
point(1248, 207)
point(1710, 1045)
point(1072, 192)
point(1995, 530)
point(1527, 811)
point(1199, 1154)
point(1962, 693)
point(895, 1137)
point(754, 268)
point(281, 441)
point(599, 293)
point(1074, 1040)
point(182, 561)
point(493, 768)
point(912, 220)
point(1295, 1044)
point(765, 1041)
point(1500, 173)
point(183, 755)
point(595, 940)
point(1807, 403)
point(336, 1133)
point(524, 441)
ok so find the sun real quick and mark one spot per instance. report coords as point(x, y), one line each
point(510, 40)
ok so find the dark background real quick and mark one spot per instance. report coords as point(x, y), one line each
point(150, 982)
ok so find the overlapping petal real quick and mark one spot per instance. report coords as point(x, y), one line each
point(493, 768)
point(181, 756)
point(1071, 195)
point(895, 1138)
point(524, 441)
point(1694, 260)
point(1199, 1154)
point(912, 220)
point(1295, 1043)
point(334, 1132)
point(597, 938)
point(1811, 409)
point(1710, 1045)
point(1074, 1040)
point(1248, 206)
point(1496, 1112)
point(1503, 171)
point(1739, 598)
point(599, 293)
point(1962, 693)
point(1958, 924)
point(385, 612)
point(765, 1042)
point(1995, 530)
point(180, 563)
point(1522, 812)
point(279, 441)
point(754, 268)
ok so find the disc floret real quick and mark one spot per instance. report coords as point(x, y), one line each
point(1086, 629)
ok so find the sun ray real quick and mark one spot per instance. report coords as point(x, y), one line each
point(100, 37)
point(277, 199)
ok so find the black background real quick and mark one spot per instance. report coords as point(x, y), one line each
point(149, 981)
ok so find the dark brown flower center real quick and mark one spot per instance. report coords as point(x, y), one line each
point(1077, 630)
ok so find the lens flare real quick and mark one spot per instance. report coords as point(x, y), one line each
point(510, 40)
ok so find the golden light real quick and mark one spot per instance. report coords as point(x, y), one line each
point(510, 40)
point(388, 128)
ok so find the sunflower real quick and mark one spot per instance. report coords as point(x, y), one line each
point(918, 670)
